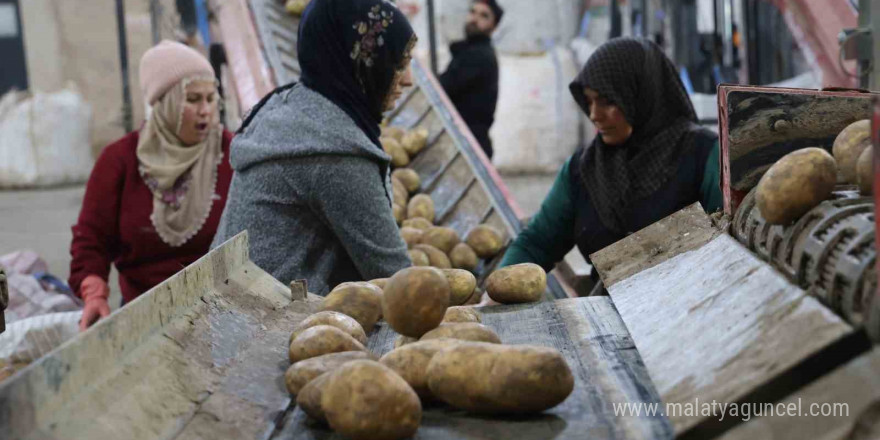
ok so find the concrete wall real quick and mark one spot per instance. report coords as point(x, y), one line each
point(75, 42)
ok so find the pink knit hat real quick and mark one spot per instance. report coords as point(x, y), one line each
point(166, 64)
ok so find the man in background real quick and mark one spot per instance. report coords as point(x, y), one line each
point(471, 79)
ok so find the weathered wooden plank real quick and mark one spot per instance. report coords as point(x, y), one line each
point(683, 231)
point(431, 162)
point(717, 324)
point(470, 210)
point(407, 115)
point(596, 344)
point(844, 404)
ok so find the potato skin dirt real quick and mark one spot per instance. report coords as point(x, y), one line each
point(795, 184)
point(520, 283)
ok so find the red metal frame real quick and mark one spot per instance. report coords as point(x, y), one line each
point(733, 198)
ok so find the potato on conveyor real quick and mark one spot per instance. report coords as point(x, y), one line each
point(467, 331)
point(441, 237)
point(462, 314)
point(303, 372)
point(399, 213)
point(362, 301)
point(436, 256)
point(309, 397)
point(320, 340)
point(463, 257)
point(519, 283)
point(485, 240)
point(411, 236)
point(411, 362)
point(399, 158)
point(404, 340)
point(418, 223)
point(475, 298)
point(421, 206)
point(415, 300)
point(296, 7)
point(379, 282)
point(414, 141)
point(795, 184)
point(399, 192)
point(865, 171)
point(462, 284)
point(848, 146)
point(409, 178)
point(339, 320)
point(393, 132)
point(367, 400)
point(500, 379)
point(419, 258)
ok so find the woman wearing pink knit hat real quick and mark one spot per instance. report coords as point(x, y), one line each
point(154, 198)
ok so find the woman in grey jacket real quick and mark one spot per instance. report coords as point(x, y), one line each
point(312, 183)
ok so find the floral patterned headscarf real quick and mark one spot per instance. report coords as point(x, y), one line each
point(351, 51)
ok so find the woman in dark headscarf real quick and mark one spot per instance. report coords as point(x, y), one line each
point(312, 183)
point(649, 159)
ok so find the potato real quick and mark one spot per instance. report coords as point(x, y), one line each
point(302, 372)
point(379, 282)
point(795, 184)
point(462, 314)
point(475, 298)
point(463, 257)
point(500, 379)
point(848, 146)
point(399, 193)
point(437, 258)
point(410, 179)
point(422, 206)
point(467, 331)
point(399, 158)
point(419, 258)
point(411, 236)
point(399, 213)
point(403, 340)
point(361, 301)
point(319, 340)
point(339, 320)
point(441, 237)
point(462, 284)
point(485, 240)
point(519, 283)
point(367, 400)
point(411, 362)
point(296, 7)
point(418, 223)
point(415, 300)
point(309, 397)
point(865, 171)
point(414, 141)
point(393, 132)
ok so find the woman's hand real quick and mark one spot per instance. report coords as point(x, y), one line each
point(94, 291)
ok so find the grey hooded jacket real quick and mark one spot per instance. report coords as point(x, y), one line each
point(314, 194)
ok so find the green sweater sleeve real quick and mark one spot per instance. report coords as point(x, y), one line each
point(550, 233)
point(710, 191)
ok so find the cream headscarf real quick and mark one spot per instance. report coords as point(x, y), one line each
point(182, 178)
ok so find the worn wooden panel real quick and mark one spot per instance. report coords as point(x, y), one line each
point(204, 346)
point(717, 323)
point(411, 111)
point(431, 122)
point(451, 186)
point(470, 211)
point(594, 341)
point(850, 396)
point(683, 231)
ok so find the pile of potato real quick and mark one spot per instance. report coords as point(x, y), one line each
point(802, 179)
point(445, 354)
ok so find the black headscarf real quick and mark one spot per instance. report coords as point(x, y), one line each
point(636, 76)
point(350, 52)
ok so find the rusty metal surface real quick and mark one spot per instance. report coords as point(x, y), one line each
point(829, 252)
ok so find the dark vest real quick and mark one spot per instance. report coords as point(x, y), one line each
point(679, 191)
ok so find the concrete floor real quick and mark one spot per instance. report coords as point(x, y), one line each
point(40, 220)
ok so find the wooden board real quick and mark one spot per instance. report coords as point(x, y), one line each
point(759, 125)
point(597, 346)
point(718, 324)
point(683, 231)
point(849, 396)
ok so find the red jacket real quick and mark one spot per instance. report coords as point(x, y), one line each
point(114, 224)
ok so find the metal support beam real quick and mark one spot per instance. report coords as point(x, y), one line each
point(123, 64)
point(432, 38)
